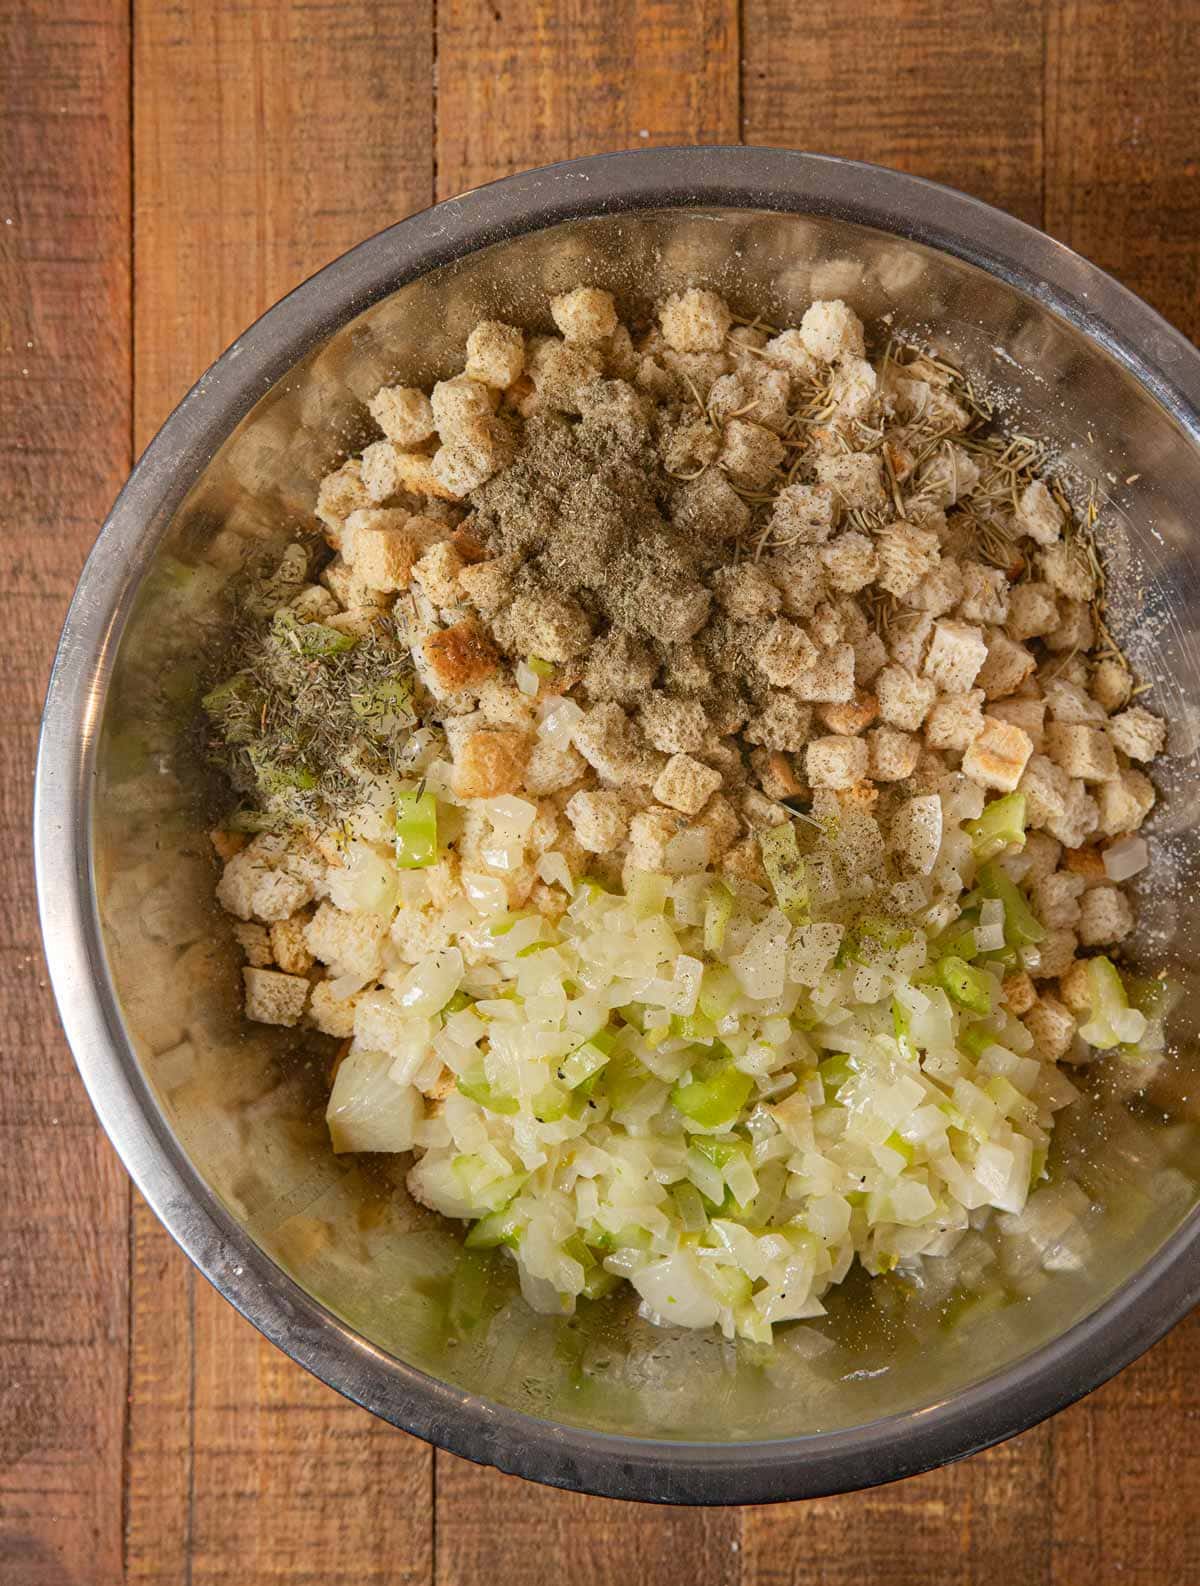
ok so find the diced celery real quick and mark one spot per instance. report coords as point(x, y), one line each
point(834, 1072)
point(786, 870)
point(387, 704)
point(583, 1062)
point(542, 668)
point(598, 1283)
point(958, 940)
point(719, 1152)
point(693, 1027)
point(500, 1227)
point(1001, 826)
point(476, 1087)
point(970, 988)
point(647, 893)
point(280, 776)
point(718, 907)
point(714, 1099)
point(718, 992)
point(624, 1079)
point(690, 1203)
point(311, 639)
point(416, 831)
point(902, 1147)
point(1021, 926)
point(460, 1000)
point(551, 1103)
point(901, 1024)
point(976, 1039)
point(731, 1286)
point(235, 705)
point(1108, 999)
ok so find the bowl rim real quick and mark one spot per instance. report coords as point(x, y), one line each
point(559, 1454)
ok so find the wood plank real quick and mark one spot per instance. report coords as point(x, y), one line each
point(519, 85)
point(1121, 141)
point(530, 82)
point(64, 449)
point(948, 89)
point(268, 139)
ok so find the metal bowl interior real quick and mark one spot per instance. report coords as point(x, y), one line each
point(220, 1123)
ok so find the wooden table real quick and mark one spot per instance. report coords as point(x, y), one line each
point(169, 168)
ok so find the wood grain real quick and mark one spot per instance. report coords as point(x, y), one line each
point(268, 139)
point(519, 85)
point(948, 89)
point(64, 448)
point(532, 81)
point(1123, 145)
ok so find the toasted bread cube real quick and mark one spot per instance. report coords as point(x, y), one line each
point(676, 726)
point(907, 555)
point(776, 776)
point(388, 471)
point(650, 834)
point(1075, 988)
point(619, 667)
point(1055, 951)
point(1032, 611)
point(836, 762)
point(1124, 803)
point(1069, 702)
point(473, 454)
point(893, 754)
point(549, 770)
point(491, 763)
point(956, 652)
point(1087, 863)
point(332, 1015)
point(870, 657)
point(495, 353)
point(1111, 685)
point(1052, 1027)
point(488, 586)
point(437, 570)
point(1075, 634)
point(560, 373)
point(255, 942)
point(339, 494)
point(1105, 916)
point(785, 352)
point(850, 562)
point(288, 946)
point(1138, 733)
point(599, 820)
point(350, 943)
point(551, 627)
point(830, 678)
point(1056, 899)
point(782, 723)
point(904, 700)
point(689, 446)
point(802, 515)
point(1067, 568)
point(939, 592)
point(1047, 788)
point(459, 657)
point(719, 822)
point(404, 414)
point(750, 453)
point(608, 742)
point(459, 403)
point(747, 591)
point(695, 321)
point(801, 579)
point(586, 315)
point(908, 639)
point(381, 544)
point(830, 329)
point(272, 998)
point(1018, 993)
point(685, 784)
point(1041, 855)
point(785, 653)
point(1038, 514)
point(955, 721)
point(855, 479)
point(827, 626)
point(848, 720)
point(710, 506)
point(985, 594)
point(250, 888)
point(1006, 667)
point(998, 756)
point(1027, 714)
point(1082, 751)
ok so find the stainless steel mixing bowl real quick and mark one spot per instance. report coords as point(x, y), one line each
point(220, 1124)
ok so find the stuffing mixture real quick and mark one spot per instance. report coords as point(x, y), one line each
point(690, 776)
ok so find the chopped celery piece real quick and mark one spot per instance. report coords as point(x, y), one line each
point(693, 1027)
point(970, 988)
point(311, 639)
point(897, 1142)
point(691, 1206)
point(631, 1237)
point(575, 1246)
point(715, 1098)
point(624, 1079)
point(730, 1286)
point(416, 831)
point(497, 1228)
point(598, 1283)
point(647, 893)
point(976, 1039)
point(583, 1062)
point(786, 870)
point(718, 992)
point(719, 1152)
point(1021, 925)
point(718, 907)
point(901, 1024)
point(804, 1015)
point(551, 1103)
point(1108, 1002)
point(235, 706)
point(476, 1087)
point(1001, 826)
point(542, 668)
point(834, 1072)
point(460, 1000)
point(958, 940)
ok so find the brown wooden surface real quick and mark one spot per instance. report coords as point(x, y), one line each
point(168, 171)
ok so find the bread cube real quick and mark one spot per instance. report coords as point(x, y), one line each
point(1067, 568)
point(491, 763)
point(1027, 714)
point(1032, 611)
point(904, 700)
point(695, 321)
point(998, 756)
point(1038, 514)
point(957, 650)
point(1124, 803)
point(782, 723)
point(829, 680)
point(487, 586)
point(802, 515)
point(1075, 633)
point(339, 494)
point(855, 479)
point(676, 726)
point(893, 754)
point(907, 555)
point(830, 329)
point(686, 784)
point(495, 354)
point(750, 453)
point(551, 627)
point(746, 590)
point(255, 942)
point(785, 653)
point(1111, 685)
point(1056, 951)
point(550, 770)
point(1138, 733)
point(404, 414)
point(599, 819)
point(1006, 667)
point(1056, 899)
point(1081, 751)
point(848, 720)
point(1018, 993)
point(955, 721)
point(619, 667)
point(650, 834)
point(288, 946)
point(1105, 916)
point(1052, 1027)
point(836, 762)
point(272, 998)
point(586, 315)
point(850, 562)
point(436, 572)
point(459, 657)
point(332, 1015)
point(985, 594)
